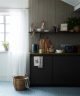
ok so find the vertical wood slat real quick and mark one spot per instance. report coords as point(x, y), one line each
point(53, 11)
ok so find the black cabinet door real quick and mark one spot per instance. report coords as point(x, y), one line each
point(41, 76)
point(66, 70)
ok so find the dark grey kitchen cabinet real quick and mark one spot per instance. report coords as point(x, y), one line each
point(41, 76)
point(58, 70)
point(66, 70)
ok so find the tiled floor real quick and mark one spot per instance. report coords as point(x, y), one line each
point(7, 89)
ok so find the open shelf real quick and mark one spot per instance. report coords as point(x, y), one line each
point(51, 32)
point(55, 54)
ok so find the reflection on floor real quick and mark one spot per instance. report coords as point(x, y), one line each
point(7, 89)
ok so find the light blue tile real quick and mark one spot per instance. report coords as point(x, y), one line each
point(7, 89)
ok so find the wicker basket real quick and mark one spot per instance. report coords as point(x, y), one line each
point(19, 83)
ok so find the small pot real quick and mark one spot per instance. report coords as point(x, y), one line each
point(71, 30)
point(77, 29)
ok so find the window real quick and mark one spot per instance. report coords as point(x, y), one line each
point(4, 30)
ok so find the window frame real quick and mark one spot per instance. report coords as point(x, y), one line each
point(5, 31)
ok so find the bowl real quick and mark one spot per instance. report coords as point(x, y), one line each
point(38, 29)
point(59, 51)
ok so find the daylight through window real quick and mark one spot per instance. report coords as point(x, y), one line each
point(4, 30)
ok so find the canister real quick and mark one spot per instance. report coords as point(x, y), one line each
point(35, 48)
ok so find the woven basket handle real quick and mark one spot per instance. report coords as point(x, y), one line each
point(27, 82)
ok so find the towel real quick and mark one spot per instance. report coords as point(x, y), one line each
point(38, 61)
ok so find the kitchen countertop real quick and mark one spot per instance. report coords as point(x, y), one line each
point(54, 54)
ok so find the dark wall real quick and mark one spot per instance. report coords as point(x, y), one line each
point(54, 12)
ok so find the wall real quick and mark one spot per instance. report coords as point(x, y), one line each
point(13, 4)
point(53, 12)
point(3, 66)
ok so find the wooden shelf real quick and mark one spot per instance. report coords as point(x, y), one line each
point(50, 32)
point(42, 32)
point(55, 54)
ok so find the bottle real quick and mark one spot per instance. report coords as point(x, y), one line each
point(43, 25)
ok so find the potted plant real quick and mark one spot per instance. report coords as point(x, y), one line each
point(73, 24)
point(6, 45)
